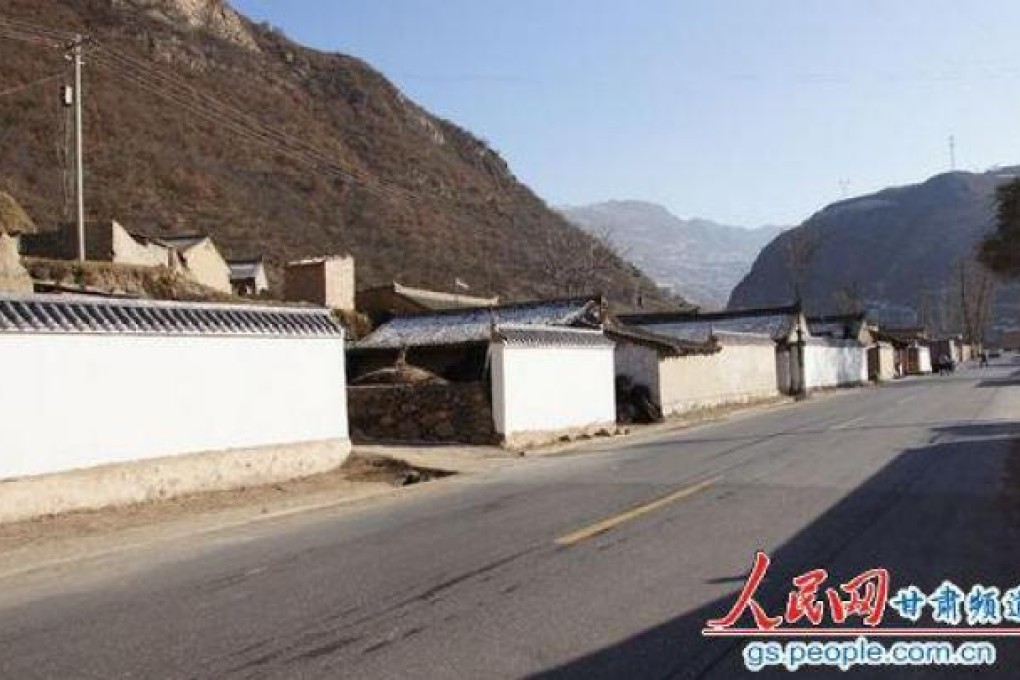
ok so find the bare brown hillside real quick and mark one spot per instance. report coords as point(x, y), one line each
point(412, 196)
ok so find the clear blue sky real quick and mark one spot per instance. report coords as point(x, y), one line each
point(742, 111)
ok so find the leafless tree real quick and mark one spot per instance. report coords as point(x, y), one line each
point(576, 263)
point(800, 247)
point(975, 288)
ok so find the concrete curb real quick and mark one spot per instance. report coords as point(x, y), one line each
point(165, 478)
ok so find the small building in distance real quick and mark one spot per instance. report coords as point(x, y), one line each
point(912, 354)
point(105, 241)
point(324, 281)
point(201, 260)
point(382, 303)
point(248, 277)
point(194, 255)
point(1011, 339)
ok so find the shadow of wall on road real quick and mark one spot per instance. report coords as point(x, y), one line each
point(1011, 380)
point(949, 510)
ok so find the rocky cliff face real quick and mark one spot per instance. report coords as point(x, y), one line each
point(215, 17)
point(889, 248)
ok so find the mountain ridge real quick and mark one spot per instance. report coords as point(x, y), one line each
point(892, 247)
point(700, 259)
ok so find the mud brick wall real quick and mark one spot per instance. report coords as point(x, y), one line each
point(454, 413)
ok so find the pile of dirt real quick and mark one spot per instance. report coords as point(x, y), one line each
point(365, 468)
point(400, 374)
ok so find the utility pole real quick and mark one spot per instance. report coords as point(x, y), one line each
point(952, 153)
point(77, 50)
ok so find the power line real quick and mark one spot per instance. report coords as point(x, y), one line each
point(202, 105)
point(157, 83)
point(27, 27)
point(21, 88)
point(213, 110)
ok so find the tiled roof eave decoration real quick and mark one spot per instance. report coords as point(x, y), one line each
point(549, 336)
point(68, 315)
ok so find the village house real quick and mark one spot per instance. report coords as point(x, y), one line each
point(248, 277)
point(194, 255)
point(531, 370)
point(324, 281)
point(910, 344)
point(201, 259)
point(823, 362)
point(686, 375)
point(105, 241)
point(232, 395)
point(382, 303)
point(881, 356)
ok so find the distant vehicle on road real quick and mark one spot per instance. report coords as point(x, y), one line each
point(943, 364)
point(994, 354)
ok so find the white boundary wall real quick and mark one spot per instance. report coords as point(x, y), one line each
point(542, 389)
point(72, 401)
point(835, 363)
point(739, 373)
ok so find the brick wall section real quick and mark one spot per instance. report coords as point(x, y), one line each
point(456, 412)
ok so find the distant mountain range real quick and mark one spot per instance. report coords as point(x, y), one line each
point(698, 259)
point(891, 248)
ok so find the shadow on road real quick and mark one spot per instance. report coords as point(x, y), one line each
point(1010, 380)
point(944, 511)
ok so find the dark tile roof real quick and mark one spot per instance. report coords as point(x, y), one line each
point(242, 270)
point(680, 316)
point(839, 326)
point(775, 322)
point(67, 314)
point(666, 345)
point(461, 326)
point(551, 336)
point(182, 241)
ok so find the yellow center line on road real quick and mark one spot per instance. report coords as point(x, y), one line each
point(847, 424)
point(616, 520)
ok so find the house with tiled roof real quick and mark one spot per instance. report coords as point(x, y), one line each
point(248, 277)
point(382, 303)
point(546, 368)
point(201, 259)
point(802, 361)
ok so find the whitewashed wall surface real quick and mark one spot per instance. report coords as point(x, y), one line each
point(834, 363)
point(87, 383)
point(743, 371)
point(548, 381)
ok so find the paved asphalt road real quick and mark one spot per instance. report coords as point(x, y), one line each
point(466, 578)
